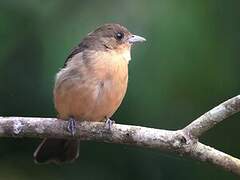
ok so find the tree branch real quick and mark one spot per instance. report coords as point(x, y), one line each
point(213, 117)
point(182, 142)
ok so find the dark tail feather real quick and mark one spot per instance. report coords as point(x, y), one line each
point(57, 151)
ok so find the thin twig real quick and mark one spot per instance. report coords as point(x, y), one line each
point(182, 142)
point(213, 117)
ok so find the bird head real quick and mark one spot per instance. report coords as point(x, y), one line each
point(112, 37)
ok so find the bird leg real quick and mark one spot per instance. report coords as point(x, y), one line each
point(71, 127)
point(109, 122)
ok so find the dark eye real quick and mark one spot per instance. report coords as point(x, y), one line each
point(119, 36)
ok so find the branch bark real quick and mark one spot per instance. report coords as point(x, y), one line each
point(182, 142)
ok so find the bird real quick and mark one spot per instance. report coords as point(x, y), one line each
point(90, 87)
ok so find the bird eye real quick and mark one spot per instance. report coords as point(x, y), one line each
point(119, 35)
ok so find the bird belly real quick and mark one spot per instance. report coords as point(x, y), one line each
point(92, 100)
point(110, 96)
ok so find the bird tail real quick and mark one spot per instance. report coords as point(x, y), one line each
point(57, 151)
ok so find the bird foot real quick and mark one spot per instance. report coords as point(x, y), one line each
point(71, 127)
point(109, 123)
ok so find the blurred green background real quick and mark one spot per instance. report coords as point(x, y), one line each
point(189, 64)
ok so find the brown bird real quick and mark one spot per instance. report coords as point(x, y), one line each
point(90, 86)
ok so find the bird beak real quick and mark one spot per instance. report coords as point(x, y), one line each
point(134, 39)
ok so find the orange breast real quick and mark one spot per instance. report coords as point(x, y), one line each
point(91, 91)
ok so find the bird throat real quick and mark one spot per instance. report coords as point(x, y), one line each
point(127, 54)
